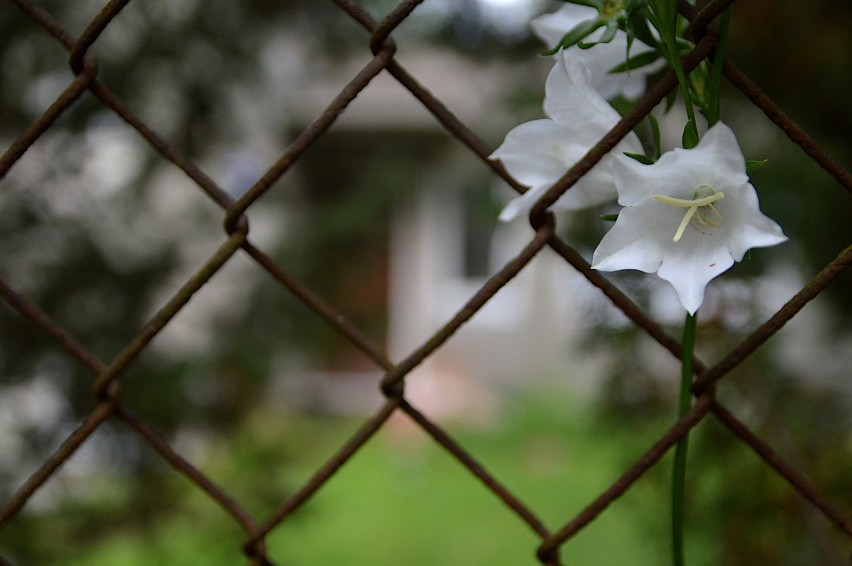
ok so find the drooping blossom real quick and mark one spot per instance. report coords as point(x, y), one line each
point(538, 153)
point(601, 58)
point(688, 217)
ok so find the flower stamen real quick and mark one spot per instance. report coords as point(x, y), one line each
point(683, 223)
point(694, 215)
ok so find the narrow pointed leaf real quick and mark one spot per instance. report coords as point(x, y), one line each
point(656, 136)
point(598, 4)
point(640, 60)
point(609, 34)
point(671, 97)
point(576, 35)
point(690, 135)
point(639, 28)
point(754, 165)
point(641, 158)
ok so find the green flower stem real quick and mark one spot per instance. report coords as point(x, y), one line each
point(690, 139)
point(679, 476)
point(665, 12)
point(716, 72)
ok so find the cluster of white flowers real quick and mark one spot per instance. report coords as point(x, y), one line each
point(687, 217)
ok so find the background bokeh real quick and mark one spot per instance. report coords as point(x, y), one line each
point(98, 231)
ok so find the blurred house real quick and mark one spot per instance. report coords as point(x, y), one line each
point(444, 240)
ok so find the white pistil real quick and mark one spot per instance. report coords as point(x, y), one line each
point(694, 207)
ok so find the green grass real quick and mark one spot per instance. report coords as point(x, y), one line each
point(403, 499)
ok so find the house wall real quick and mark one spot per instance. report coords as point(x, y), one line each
point(527, 332)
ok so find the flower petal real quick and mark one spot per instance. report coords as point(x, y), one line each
point(636, 183)
point(716, 161)
point(538, 152)
point(751, 228)
point(719, 148)
point(523, 203)
point(570, 99)
point(691, 263)
point(594, 188)
point(638, 240)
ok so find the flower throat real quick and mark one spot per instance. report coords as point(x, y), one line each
point(696, 209)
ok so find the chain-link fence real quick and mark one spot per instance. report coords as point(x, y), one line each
point(107, 376)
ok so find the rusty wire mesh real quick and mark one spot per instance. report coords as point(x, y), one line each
point(107, 375)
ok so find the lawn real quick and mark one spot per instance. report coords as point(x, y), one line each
point(402, 499)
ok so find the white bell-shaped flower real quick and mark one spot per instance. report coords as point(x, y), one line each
point(688, 217)
point(538, 153)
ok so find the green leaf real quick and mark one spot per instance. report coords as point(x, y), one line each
point(609, 34)
point(635, 62)
point(639, 26)
point(754, 165)
point(598, 4)
point(633, 6)
point(665, 20)
point(655, 136)
point(628, 31)
point(684, 46)
point(671, 98)
point(713, 111)
point(641, 158)
point(577, 34)
point(654, 21)
point(690, 135)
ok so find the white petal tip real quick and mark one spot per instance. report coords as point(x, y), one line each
point(509, 213)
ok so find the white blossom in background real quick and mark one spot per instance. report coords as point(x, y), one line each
point(550, 28)
point(538, 153)
point(688, 217)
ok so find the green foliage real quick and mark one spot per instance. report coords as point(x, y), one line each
point(641, 158)
point(636, 62)
point(614, 15)
point(401, 499)
point(754, 165)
